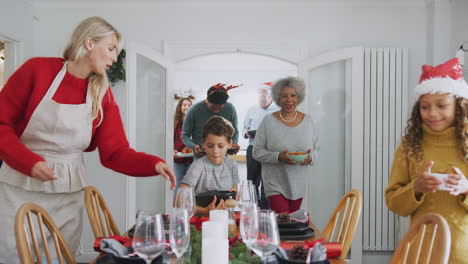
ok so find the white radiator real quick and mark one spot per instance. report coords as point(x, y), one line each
point(385, 104)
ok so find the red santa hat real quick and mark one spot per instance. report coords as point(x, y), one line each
point(266, 86)
point(446, 78)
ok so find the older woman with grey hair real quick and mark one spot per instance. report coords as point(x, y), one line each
point(287, 130)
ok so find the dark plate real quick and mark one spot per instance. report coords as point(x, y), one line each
point(294, 231)
point(135, 260)
point(303, 235)
point(229, 152)
point(204, 199)
point(291, 225)
point(281, 260)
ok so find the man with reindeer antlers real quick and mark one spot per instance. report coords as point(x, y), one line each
point(215, 104)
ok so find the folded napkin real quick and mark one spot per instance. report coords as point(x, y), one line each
point(300, 216)
point(123, 241)
point(114, 247)
point(317, 253)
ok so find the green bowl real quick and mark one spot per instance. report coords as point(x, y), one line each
point(298, 158)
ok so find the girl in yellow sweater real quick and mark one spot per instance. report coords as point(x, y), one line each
point(435, 140)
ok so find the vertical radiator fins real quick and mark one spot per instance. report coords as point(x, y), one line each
point(385, 108)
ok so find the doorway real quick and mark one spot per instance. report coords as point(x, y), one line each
point(195, 75)
point(332, 78)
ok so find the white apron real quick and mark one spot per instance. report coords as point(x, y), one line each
point(59, 133)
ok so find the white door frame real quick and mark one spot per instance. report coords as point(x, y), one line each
point(133, 49)
point(13, 55)
point(356, 57)
point(179, 51)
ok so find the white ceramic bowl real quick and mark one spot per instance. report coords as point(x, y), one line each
point(441, 177)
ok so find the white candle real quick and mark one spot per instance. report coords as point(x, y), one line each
point(220, 216)
point(215, 251)
point(212, 230)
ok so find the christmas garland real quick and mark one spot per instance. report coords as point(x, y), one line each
point(117, 71)
point(238, 252)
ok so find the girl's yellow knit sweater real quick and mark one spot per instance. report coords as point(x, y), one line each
point(440, 147)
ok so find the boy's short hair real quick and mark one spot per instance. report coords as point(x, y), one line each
point(218, 126)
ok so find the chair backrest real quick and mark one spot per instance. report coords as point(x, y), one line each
point(40, 233)
point(99, 215)
point(427, 241)
point(343, 223)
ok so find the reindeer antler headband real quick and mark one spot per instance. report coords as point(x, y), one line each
point(217, 93)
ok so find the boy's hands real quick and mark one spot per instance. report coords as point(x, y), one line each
point(457, 182)
point(425, 182)
point(212, 205)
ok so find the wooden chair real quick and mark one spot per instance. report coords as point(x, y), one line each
point(346, 216)
point(427, 241)
point(42, 224)
point(99, 215)
point(100, 218)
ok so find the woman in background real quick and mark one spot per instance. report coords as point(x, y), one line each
point(181, 164)
point(286, 130)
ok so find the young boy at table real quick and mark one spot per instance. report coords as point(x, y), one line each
point(215, 171)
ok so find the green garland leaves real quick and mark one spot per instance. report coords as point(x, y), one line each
point(117, 70)
point(239, 252)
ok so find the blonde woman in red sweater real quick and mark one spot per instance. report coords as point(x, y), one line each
point(51, 111)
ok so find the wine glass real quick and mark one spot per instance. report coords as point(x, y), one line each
point(148, 239)
point(185, 198)
point(248, 224)
point(267, 240)
point(179, 234)
point(246, 193)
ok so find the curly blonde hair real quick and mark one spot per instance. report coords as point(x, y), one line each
point(412, 140)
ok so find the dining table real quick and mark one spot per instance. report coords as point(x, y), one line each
point(317, 235)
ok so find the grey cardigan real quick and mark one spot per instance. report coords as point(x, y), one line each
point(274, 137)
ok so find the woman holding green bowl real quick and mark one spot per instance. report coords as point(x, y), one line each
point(280, 133)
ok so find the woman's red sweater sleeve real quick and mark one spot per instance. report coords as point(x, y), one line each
point(14, 100)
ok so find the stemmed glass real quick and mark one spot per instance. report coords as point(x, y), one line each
point(179, 235)
point(246, 193)
point(248, 224)
point(148, 239)
point(267, 240)
point(185, 198)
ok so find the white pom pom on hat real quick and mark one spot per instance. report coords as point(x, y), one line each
point(446, 78)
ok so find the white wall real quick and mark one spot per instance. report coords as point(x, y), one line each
point(17, 23)
point(459, 32)
point(319, 25)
